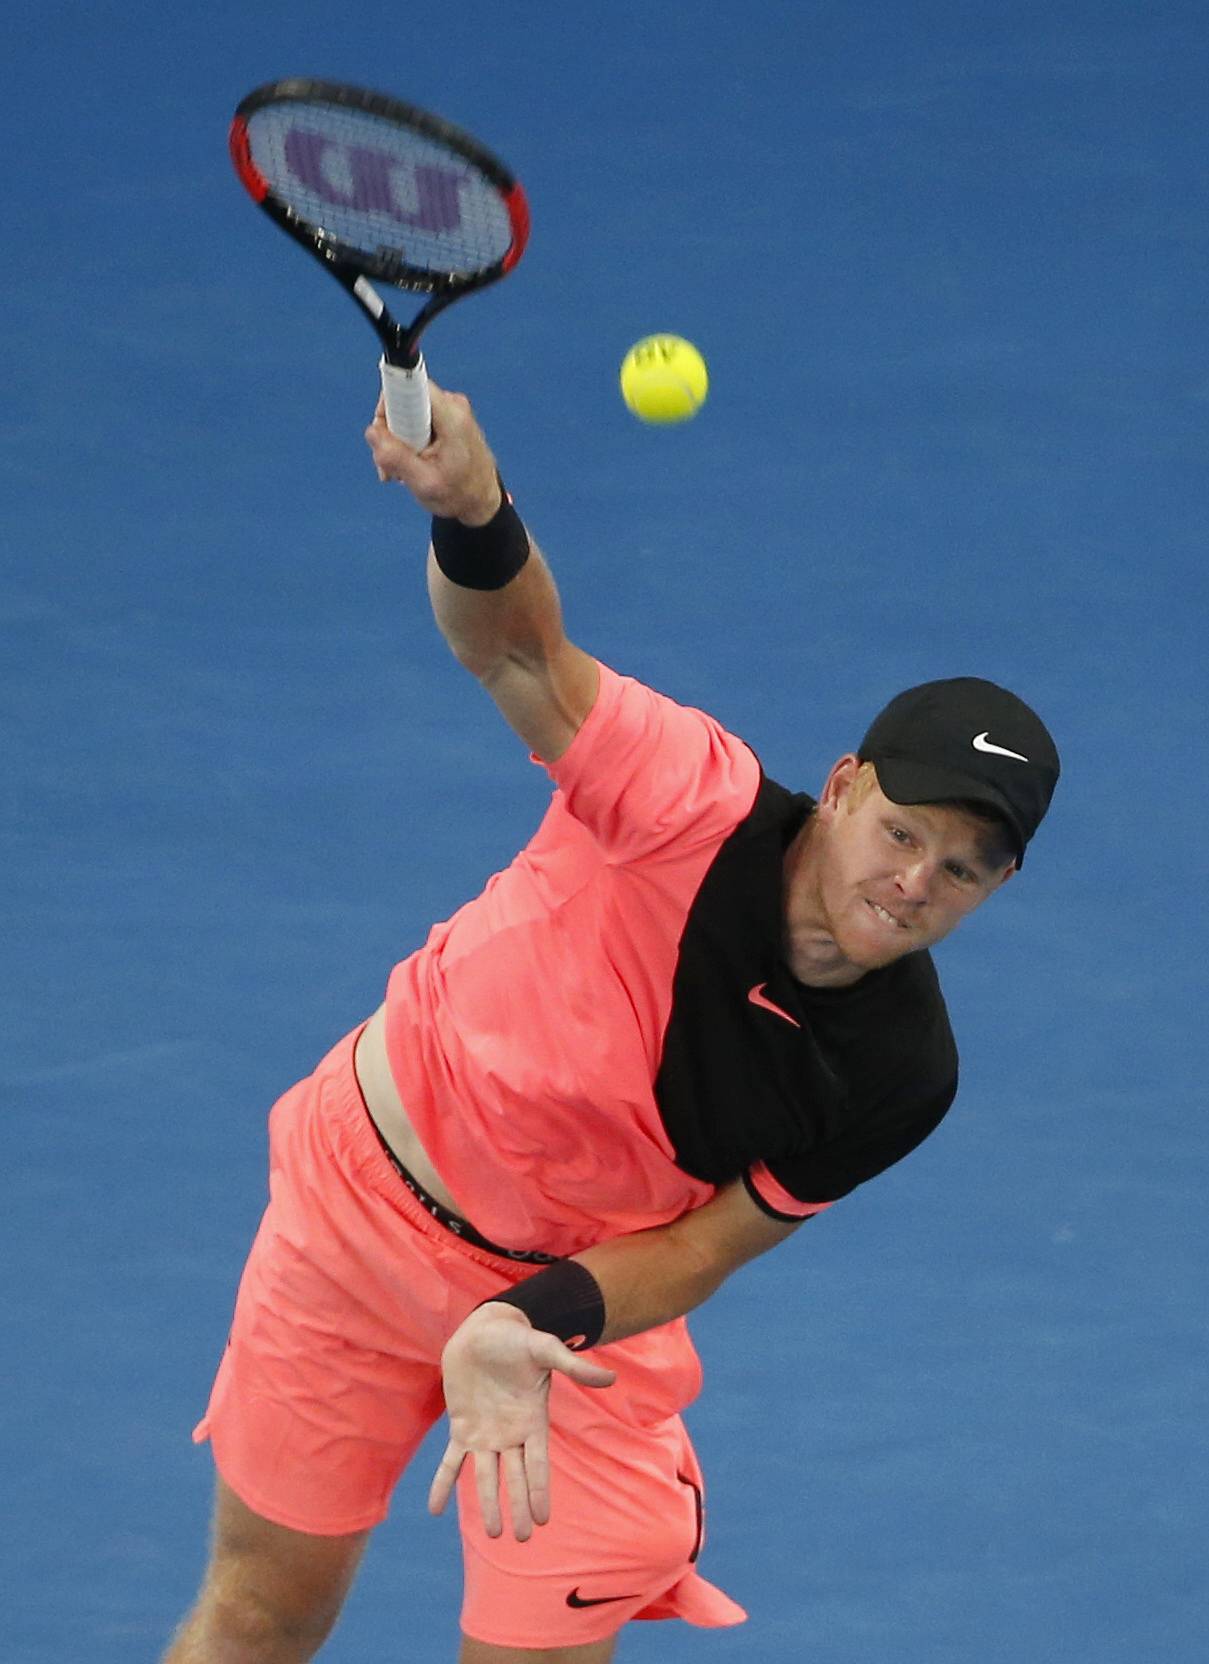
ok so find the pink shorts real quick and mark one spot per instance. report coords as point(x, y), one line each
point(331, 1378)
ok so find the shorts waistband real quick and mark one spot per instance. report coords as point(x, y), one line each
point(453, 1222)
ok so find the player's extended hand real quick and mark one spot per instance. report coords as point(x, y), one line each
point(497, 1383)
point(455, 474)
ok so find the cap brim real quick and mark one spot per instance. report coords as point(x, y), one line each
point(906, 782)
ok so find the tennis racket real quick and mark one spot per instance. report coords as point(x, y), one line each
point(381, 192)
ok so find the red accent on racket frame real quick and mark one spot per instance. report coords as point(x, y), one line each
point(518, 213)
point(240, 147)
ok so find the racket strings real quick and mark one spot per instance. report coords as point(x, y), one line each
point(379, 187)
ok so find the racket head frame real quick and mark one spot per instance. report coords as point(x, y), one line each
point(356, 270)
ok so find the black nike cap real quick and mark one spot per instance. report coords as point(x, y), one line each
point(966, 739)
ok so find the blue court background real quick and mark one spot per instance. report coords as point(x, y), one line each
point(948, 264)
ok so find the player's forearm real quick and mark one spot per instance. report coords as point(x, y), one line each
point(649, 1278)
point(492, 594)
point(641, 1280)
point(521, 620)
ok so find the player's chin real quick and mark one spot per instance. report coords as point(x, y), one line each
point(876, 961)
point(871, 944)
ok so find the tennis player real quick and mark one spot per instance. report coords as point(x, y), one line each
point(695, 1011)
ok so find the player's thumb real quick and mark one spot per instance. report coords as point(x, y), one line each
point(392, 457)
point(577, 1367)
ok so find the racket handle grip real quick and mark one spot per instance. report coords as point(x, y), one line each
point(408, 408)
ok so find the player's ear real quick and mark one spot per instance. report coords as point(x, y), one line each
point(839, 782)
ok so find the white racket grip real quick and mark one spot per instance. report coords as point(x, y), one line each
point(408, 408)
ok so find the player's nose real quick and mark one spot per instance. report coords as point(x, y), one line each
point(915, 880)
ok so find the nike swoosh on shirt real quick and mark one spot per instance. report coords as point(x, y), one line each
point(982, 743)
point(576, 1599)
point(757, 997)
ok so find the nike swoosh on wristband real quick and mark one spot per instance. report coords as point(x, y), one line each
point(757, 997)
point(577, 1600)
point(982, 743)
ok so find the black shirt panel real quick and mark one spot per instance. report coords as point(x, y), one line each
point(888, 1037)
point(827, 1087)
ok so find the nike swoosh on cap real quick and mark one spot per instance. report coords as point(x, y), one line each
point(757, 997)
point(576, 1599)
point(982, 743)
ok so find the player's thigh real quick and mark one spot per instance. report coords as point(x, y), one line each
point(265, 1575)
point(484, 1652)
point(627, 1519)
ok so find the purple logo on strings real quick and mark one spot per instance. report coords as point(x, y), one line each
point(371, 182)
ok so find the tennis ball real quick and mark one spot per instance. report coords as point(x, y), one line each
point(664, 379)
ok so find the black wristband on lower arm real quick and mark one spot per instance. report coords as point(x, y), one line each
point(564, 1300)
point(482, 557)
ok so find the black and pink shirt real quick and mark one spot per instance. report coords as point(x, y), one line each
point(609, 1032)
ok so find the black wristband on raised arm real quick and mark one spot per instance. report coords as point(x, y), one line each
point(564, 1300)
point(482, 557)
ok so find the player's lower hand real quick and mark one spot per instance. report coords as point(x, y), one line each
point(496, 1369)
point(455, 474)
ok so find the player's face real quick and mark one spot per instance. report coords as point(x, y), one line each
point(890, 878)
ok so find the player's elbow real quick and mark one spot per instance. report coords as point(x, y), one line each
point(481, 658)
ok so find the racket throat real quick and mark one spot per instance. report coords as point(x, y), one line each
point(403, 357)
point(398, 348)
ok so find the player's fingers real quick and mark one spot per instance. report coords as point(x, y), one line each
point(377, 437)
point(445, 1478)
point(487, 1484)
point(516, 1484)
point(537, 1476)
point(384, 474)
point(392, 457)
point(451, 412)
point(387, 446)
point(378, 468)
point(440, 412)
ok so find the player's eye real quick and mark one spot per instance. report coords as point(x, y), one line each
point(963, 875)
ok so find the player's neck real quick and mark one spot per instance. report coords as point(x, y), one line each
point(816, 961)
point(811, 951)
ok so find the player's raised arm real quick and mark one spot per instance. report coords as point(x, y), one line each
point(492, 593)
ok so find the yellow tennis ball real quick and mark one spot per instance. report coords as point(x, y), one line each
point(664, 379)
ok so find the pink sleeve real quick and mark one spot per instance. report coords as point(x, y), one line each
point(773, 1197)
point(643, 772)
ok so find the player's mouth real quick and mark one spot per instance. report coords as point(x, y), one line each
point(890, 920)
